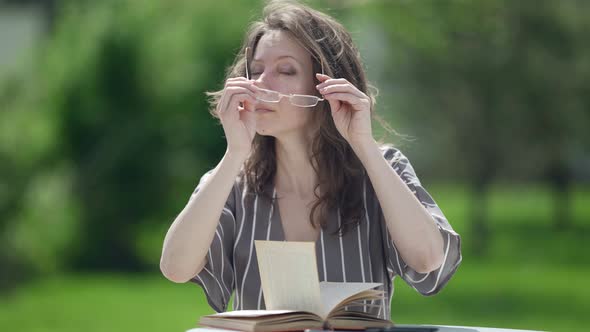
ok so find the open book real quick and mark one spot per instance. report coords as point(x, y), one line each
point(295, 298)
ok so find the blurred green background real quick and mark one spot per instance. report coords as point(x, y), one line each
point(104, 133)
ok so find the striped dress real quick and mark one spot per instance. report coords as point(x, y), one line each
point(364, 254)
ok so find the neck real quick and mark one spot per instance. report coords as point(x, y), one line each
point(295, 174)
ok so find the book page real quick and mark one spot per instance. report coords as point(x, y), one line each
point(289, 275)
point(251, 313)
point(332, 293)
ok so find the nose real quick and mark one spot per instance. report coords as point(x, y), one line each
point(264, 80)
point(260, 83)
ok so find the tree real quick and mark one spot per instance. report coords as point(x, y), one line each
point(113, 130)
point(504, 81)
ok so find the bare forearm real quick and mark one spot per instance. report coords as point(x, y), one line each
point(410, 225)
point(189, 237)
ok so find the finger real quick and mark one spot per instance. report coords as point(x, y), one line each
point(334, 104)
point(342, 88)
point(222, 105)
point(239, 78)
point(249, 106)
point(248, 84)
point(240, 100)
point(322, 77)
point(232, 90)
point(325, 79)
point(236, 99)
point(249, 119)
point(231, 94)
point(243, 109)
point(347, 97)
point(334, 81)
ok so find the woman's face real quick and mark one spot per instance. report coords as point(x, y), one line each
point(279, 63)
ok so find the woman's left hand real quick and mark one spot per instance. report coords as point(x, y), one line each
point(351, 108)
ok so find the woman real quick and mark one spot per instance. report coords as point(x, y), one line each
point(302, 165)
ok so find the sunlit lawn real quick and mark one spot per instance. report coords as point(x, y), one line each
point(532, 297)
point(534, 277)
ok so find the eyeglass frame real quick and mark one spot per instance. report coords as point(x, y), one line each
point(281, 95)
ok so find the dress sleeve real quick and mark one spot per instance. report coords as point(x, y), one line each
point(432, 282)
point(217, 277)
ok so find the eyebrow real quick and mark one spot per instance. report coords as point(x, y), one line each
point(279, 58)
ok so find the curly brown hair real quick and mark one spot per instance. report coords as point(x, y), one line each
point(340, 172)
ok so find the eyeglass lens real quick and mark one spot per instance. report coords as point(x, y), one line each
point(274, 96)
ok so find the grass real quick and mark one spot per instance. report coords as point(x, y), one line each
point(523, 296)
point(533, 277)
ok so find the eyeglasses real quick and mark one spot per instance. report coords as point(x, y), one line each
point(270, 96)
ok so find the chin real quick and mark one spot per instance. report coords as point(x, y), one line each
point(266, 132)
point(275, 131)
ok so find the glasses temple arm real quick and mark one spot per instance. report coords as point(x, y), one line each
point(246, 58)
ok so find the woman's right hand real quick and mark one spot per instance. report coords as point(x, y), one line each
point(239, 122)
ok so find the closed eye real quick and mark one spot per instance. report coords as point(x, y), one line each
point(283, 73)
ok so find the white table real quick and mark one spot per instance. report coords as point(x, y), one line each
point(441, 328)
point(451, 328)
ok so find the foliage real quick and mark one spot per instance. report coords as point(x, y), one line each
point(103, 143)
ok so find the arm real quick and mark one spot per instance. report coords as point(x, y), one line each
point(410, 225)
point(412, 228)
point(188, 240)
